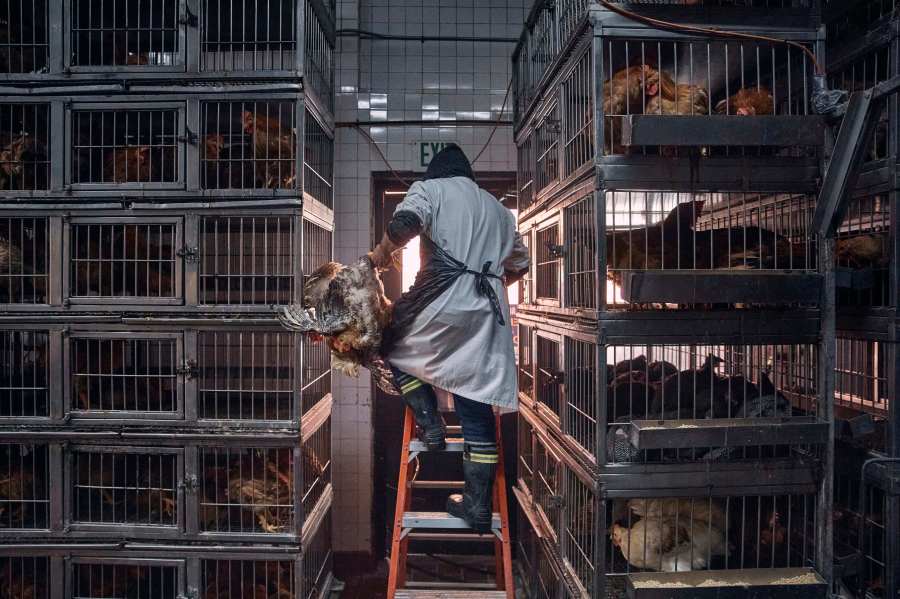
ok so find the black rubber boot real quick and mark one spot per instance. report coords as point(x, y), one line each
point(432, 430)
point(474, 505)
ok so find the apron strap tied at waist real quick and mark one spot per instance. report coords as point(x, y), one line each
point(485, 289)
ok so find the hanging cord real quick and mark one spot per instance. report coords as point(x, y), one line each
point(496, 125)
point(384, 159)
point(667, 25)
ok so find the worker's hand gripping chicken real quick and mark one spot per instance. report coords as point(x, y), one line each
point(451, 330)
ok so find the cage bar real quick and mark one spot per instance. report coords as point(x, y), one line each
point(526, 361)
point(248, 145)
point(125, 145)
point(580, 255)
point(864, 246)
point(25, 374)
point(546, 149)
point(24, 260)
point(317, 560)
point(24, 46)
point(104, 578)
point(115, 374)
point(246, 579)
point(124, 260)
point(126, 486)
point(247, 260)
point(246, 375)
point(248, 35)
point(246, 490)
point(525, 161)
point(548, 260)
point(318, 64)
point(24, 145)
point(864, 369)
point(549, 375)
point(24, 487)
point(578, 125)
point(25, 577)
point(318, 162)
point(316, 468)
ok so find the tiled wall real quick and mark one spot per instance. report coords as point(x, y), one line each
point(391, 80)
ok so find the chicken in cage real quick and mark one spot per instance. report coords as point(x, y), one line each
point(24, 577)
point(684, 534)
point(244, 579)
point(247, 491)
point(122, 260)
point(24, 486)
point(24, 146)
point(104, 580)
point(134, 145)
point(124, 488)
point(117, 33)
point(249, 145)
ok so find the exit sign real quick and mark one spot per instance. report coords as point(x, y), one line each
point(428, 149)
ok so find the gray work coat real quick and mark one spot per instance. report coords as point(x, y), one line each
point(456, 343)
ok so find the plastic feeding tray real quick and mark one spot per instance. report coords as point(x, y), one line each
point(792, 583)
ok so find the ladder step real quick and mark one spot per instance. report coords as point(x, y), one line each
point(468, 537)
point(440, 520)
point(437, 484)
point(453, 445)
point(448, 594)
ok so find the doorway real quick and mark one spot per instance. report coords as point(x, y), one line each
point(387, 193)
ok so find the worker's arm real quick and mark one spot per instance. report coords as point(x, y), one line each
point(412, 217)
point(515, 266)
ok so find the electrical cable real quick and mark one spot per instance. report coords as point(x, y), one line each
point(668, 25)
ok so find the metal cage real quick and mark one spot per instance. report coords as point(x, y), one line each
point(247, 490)
point(24, 146)
point(248, 36)
point(316, 468)
point(318, 162)
point(247, 579)
point(24, 487)
point(24, 260)
point(25, 379)
point(318, 64)
point(25, 576)
point(24, 37)
point(864, 250)
point(317, 560)
point(99, 578)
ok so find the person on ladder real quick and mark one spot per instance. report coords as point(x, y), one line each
point(451, 329)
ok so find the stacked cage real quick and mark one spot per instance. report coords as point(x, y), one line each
point(863, 47)
point(674, 371)
point(165, 184)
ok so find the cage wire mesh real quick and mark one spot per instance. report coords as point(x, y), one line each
point(249, 145)
point(318, 64)
point(246, 579)
point(578, 536)
point(24, 46)
point(671, 382)
point(578, 126)
point(866, 15)
point(124, 373)
point(316, 467)
point(24, 260)
point(525, 454)
point(864, 243)
point(105, 579)
point(872, 546)
point(864, 368)
point(123, 33)
point(25, 577)
point(318, 162)
point(246, 490)
point(128, 486)
point(25, 374)
point(317, 560)
point(547, 578)
point(526, 361)
point(524, 548)
point(546, 149)
point(248, 35)
point(548, 258)
point(579, 220)
point(123, 260)
point(246, 375)
point(860, 73)
point(525, 165)
point(125, 145)
point(24, 486)
point(247, 260)
point(24, 145)
point(316, 359)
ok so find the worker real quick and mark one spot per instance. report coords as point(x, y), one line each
point(451, 330)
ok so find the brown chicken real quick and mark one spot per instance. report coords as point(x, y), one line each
point(773, 532)
point(13, 158)
point(859, 251)
point(128, 165)
point(644, 544)
point(683, 100)
point(664, 245)
point(624, 93)
point(749, 101)
point(266, 495)
point(747, 247)
point(273, 150)
point(685, 511)
point(10, 264)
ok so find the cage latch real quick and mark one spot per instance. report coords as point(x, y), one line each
point(557, 501)
point(556, 251)
point(189, 369)
point(189, 253)
point(558, 378)
point(188, 137)
point(190, 483)
point(188, 18)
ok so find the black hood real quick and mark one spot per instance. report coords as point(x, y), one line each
point(449, 162)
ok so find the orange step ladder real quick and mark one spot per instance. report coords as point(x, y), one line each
point(408, 526)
